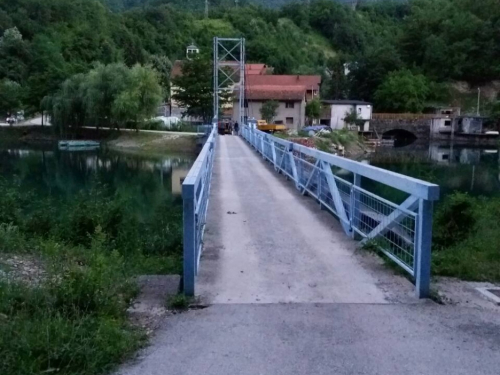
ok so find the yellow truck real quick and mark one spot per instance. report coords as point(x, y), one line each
point(262, 125)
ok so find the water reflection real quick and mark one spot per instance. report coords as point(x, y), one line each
point(450, 154)
point(62, 172)
point(475, 170)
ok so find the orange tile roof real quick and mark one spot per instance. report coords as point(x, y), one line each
point(272, 92)
point(311, 82)
point(255, 69)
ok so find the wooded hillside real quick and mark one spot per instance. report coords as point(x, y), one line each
point(429, 42)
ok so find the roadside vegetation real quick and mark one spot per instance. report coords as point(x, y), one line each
point(467, 237)
point(67, 269)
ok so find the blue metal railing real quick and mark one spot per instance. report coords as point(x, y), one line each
point(402, 231)
point(195, 196)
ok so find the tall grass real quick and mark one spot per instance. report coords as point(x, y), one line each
point(467, 237)
point(90, 246)
point(343, 137)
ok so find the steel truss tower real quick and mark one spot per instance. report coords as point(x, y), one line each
point(229, 74)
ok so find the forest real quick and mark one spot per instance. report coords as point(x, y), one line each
point(402, 55)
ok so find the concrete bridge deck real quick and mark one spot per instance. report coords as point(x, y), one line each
point(265, 243)
point(289, 297)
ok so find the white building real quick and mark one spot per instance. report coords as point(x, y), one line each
point(335, 112)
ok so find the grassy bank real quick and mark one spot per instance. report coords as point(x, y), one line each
point(67, 269)
point(125, 140)
point(467, 237)
point(154, 143)
point(344, 142)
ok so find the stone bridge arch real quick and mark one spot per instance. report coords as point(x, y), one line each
point(418, 127)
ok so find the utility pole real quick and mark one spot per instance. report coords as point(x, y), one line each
point(478, 99)
point(206, 8)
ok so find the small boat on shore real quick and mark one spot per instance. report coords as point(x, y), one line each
point(78, 145)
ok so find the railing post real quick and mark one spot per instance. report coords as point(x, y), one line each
point(423, 248)
point(189, 219)
point(273, 153)
point(293, 167)
point(355, 203)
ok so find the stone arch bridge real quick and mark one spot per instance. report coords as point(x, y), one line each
point(417, 126)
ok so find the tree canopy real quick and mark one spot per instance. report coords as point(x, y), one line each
point(403, 91)
point(269, 109)
point(45, 42)
point(109, 95)
point(194, 88)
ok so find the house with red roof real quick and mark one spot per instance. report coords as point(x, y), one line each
point(292, 92)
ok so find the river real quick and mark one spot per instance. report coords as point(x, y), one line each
point(150, 179)
point(146, 180)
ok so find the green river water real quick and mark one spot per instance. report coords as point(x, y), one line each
point(147, 181)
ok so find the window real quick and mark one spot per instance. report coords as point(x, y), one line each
point(447, 122)
point(245, 104)
point(289, 120)
point(290, 105)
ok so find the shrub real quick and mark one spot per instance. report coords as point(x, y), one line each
point(467, 234)
point(454, 220)
point(75, 321)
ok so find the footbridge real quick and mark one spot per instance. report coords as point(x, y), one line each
point(255, 226)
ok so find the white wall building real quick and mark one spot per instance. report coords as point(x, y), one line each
point(338, 110)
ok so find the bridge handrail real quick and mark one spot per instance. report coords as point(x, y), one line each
point(402, 231)
point(195, 196)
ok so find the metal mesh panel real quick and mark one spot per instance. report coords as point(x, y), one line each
point(345, 188)
point(268, 150)
point(388, 227)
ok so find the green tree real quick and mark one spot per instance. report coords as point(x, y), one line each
point(403, 91)
point(10, 96)
point(269, 110)
point(163, 66)
point(335, 83)
point(313, 110)
point(193, 89)
point(352, 118)
point(13, 55)
point(67, 107)
point(132, 95)
point(105, 83)
point(140, 100)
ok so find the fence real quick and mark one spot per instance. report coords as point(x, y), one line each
point(407, 116)
point(402, 231)
point(195, 196)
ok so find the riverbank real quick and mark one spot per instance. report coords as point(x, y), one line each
point(145, 142)
point(76, 232)
point(154, 143)
point(338, 142)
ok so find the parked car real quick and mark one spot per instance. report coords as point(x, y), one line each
point(168, 122)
